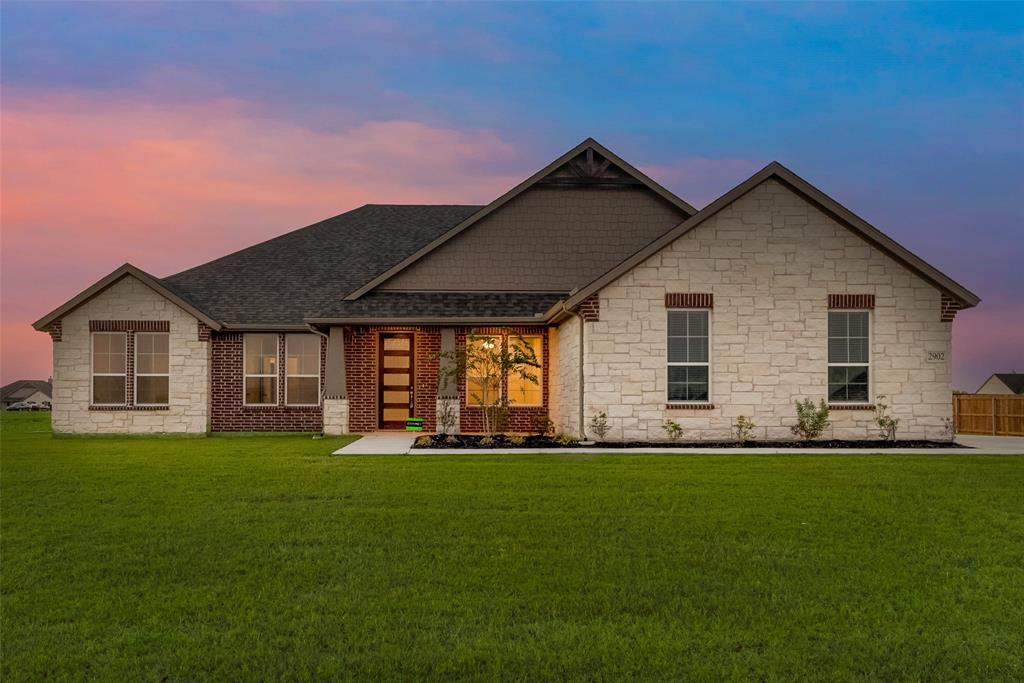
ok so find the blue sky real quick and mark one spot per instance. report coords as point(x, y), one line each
point(910, 114)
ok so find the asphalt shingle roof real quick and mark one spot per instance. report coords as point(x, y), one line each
point(1013, 380)
point(23, 388)
point(308, 271)
point(443, 305)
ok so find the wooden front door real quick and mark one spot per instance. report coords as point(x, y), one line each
point(395, 372)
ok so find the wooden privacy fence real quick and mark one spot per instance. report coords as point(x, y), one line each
point(997, 414)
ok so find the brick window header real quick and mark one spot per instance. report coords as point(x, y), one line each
point(129, 326)
point(689, 300)
point(858, 301)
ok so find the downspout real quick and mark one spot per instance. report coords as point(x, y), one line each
point(583, 434)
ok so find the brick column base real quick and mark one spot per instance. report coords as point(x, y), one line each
point(448, 411)
point(335, 416)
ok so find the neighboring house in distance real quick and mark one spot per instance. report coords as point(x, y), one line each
point(637, 304)
point(1003, 383)
point(32, 390)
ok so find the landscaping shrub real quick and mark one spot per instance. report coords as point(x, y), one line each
point(811, 421)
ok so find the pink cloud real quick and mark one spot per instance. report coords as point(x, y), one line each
point(88, 184)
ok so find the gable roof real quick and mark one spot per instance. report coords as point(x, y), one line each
point(812, 194)
point(558, 171)
point(300, 273)
point(23, 388)
point(127, 270)
point(1014, 381)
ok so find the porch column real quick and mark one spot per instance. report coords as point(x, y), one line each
point(448, 412)
point(334, 381)
point(335, 392)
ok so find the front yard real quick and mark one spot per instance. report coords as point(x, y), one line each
point(235, 558)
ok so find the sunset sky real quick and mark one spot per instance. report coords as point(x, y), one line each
point(167, 135)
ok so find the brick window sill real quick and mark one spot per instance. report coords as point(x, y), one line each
point(129, 408)
point(280, 406)
point(851, 406)
point(510, 408)
point(689, 406)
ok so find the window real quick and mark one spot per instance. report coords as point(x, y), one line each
point(152, 373)
point(480, 380)
point(848, 356)
point(302, 370)
point(688, 355)
point(260, 351)
point(109, 351)
point(523, 392)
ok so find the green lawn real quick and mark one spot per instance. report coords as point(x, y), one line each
point(263, 558)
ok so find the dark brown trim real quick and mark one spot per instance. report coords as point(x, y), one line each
point(127, 270)
point(407, 322)
point(689, 300)
point(851, 301)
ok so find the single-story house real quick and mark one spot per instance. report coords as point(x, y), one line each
point(1003, 383)
point(637, 304)
point(31, 390)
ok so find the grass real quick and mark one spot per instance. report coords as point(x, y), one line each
point(262, 558)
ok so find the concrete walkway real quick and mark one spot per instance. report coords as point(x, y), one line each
point(379, 443)
point(398, 443)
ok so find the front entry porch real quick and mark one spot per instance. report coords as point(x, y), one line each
point(378, 376)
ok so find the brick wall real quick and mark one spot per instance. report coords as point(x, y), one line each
point(520, 419)
point(227, 410)
point(361, 356)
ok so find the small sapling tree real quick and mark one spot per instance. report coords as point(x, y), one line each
point(599, 425)
point(744, 429)
point(673, 430)
point(887, 424)
point(482, 365)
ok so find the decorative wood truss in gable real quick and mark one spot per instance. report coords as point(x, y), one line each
point(588, 169)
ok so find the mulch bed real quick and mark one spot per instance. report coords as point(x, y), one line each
point(528, 442)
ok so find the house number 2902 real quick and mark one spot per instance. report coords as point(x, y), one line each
point(936, 356)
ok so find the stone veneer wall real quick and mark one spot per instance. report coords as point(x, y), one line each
point(335, 416)
point(770, 259)
point(564, 373)
point(130, 299)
